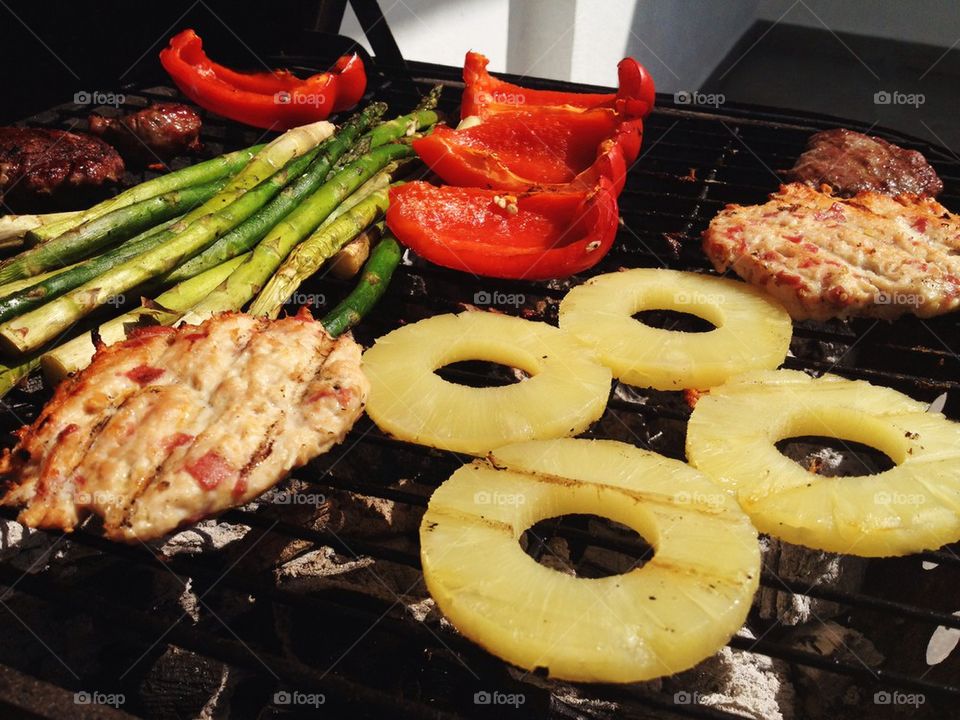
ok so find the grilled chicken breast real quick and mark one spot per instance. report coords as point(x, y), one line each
point(851, 162)
point(824, 257)
point(174, 425)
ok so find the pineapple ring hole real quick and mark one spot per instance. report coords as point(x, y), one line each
point(673, 320)
point(481, 373)
point(487, 362)
point(589, 546)
point(834, 457)
point(864, 433)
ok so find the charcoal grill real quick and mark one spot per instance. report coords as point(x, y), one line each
point(109, 612)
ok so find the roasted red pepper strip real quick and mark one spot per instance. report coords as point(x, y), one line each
point(535, 237)
point(485, 95)
point(275, 100)
point(351, 82)
point(535, 149)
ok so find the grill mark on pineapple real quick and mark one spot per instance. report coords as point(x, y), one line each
point(462, 518)
point(700, 571)
point(637, 497)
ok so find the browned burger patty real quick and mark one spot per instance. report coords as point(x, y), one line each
point(39, 162)
point(172, 426)
point(851, 162)
point(160, 131)
point(824, 257)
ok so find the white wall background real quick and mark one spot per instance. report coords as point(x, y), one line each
point(930, 22)
point(679, 41)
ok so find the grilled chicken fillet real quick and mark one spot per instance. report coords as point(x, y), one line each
point(174, 425)
point(823, 256)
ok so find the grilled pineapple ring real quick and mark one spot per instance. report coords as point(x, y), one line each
point(911, 507)
point(752, 331)
point(566, 392)
point(658, 619)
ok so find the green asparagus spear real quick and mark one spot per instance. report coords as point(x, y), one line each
point(198, 174)
point(33, 330)
point(13, 228)
point(17, 285)
point(386, 132)
point(94, 235)
point(166, 309)
point(307, 258)
point(12, 374)
point(247, 280)
point(252, 230)
point(55, 285)
point(384, 259)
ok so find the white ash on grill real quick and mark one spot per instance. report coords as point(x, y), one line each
point(743, 683)
point(206, 536)
point(812, 567)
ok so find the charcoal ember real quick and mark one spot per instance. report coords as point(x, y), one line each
point(182, 684)
point(555, 555)
point(206, 536)
point(824, 694)
point(63, 649)
point(325, 569)
point(370, 516)
point(814, 567)
point(827, 351)
point(738, 682)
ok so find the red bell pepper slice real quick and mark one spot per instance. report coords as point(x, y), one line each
point(485, 95)
point(535, 149)
point(518, 150)
point(274, 100)
point(351, 81)
point(536, 237)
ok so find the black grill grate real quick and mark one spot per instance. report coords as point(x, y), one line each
point(369, 653)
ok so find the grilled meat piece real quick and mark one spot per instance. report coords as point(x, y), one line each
point(40, 162)
point(851, 162)
point(159, 131)
point(174, 425)
point(823, 256)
